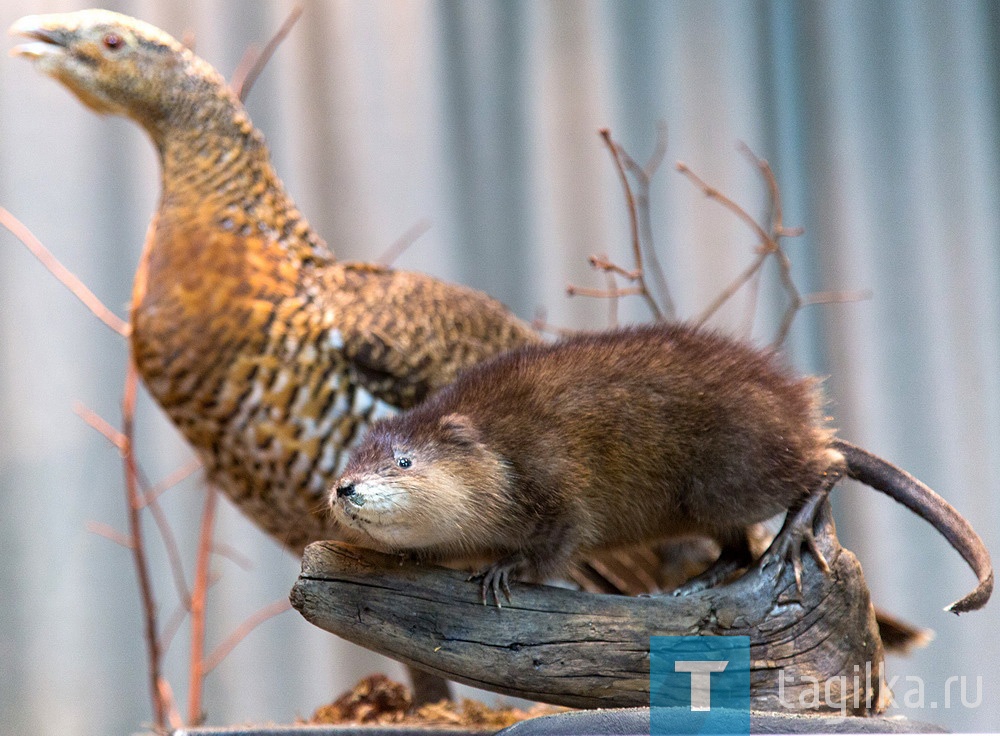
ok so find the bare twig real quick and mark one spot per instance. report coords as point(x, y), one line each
point(171, 480)
point(633, 216)
point(644, 176)
point(777, 232)
point(253, 62)
point(167, 694)
point(173, 625)
point(753, 297)
point(769, 242)
point(612, 302)
point(199, 595)
point(727, 293)
point(233, 555)
point(265, 614)
point(102, 425)
point(404, 241)
point(713, 193)
point(603, 293)
point(540, 323)
point(836, 297)
point(603, 264)
point(66, 277)
point(132, 498)
point(173, 551)
point(109, 532)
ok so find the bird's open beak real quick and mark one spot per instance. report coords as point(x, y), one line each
point(49, 40)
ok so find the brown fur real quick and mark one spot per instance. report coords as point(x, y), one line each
point(595, 442)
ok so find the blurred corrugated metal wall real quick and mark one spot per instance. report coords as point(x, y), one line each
point(881, 120)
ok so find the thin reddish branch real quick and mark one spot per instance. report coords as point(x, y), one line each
point(778, 231)
point(173, 625)
point(633, 217)
point(171, 480)
point(233, 555)
point(713, 193)
point(404, 242)
point(102, 425)
point(731, 289)
point(603, 264)
point(132, 498)
point(769, 242)
point(644, 175)
point(173, 551)
point(612, 302)
point(199, 595)
point(836, 297)
point(109, 532)
point(167, 695)
point(603, 293)
point(146, 499)
point(253, 63)
point(243, 630)
point(66, 277)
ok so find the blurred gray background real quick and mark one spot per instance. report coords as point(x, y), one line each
point(880, 118)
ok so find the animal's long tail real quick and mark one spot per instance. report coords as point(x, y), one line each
point(901, 486)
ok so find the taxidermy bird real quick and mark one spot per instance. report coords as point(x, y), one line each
point(268, 354)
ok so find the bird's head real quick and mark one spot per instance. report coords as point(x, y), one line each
point(115, 64)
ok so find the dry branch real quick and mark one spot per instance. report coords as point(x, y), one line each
point(199, 594)
point(404, 241)
point(243, 630)
point(769, 242)
point(633, 219)
point(254, 61)
point(644, 177)
point(66, 277)
point(132, 501)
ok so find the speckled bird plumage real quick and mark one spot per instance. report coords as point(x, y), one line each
point(267, 353)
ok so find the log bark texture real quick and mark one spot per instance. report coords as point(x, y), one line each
point(588, 650)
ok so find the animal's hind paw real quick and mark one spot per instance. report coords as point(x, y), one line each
point(800, 530)
point(787, 547)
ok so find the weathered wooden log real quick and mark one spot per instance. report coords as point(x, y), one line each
point(818, 651)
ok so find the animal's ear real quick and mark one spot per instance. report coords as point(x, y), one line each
point(461, 429)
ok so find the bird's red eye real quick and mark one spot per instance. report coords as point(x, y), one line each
point(113, 41)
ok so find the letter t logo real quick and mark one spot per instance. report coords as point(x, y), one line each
point(699, 685)
point(701, 680)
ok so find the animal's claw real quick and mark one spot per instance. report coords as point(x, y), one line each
point(787, 547)
point(495, 580)
point(799, 530)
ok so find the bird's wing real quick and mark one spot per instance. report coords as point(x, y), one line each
point(406, 333)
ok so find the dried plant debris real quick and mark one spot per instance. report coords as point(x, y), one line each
point(377, 700)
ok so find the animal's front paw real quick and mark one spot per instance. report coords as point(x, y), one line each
point(495, 580)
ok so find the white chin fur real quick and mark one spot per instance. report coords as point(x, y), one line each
point(380, 513)
point(375, 499)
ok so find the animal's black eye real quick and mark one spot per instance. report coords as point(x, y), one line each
point(113, 41)
point(404, 462)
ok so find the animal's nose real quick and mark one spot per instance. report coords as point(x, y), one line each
point(345, 489)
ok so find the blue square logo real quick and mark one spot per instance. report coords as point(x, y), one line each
point(699, 685)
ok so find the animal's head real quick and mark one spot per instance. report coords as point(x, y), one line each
point(417, 482)
point(115, 64)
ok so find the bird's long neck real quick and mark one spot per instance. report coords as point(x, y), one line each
point(216, 164)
